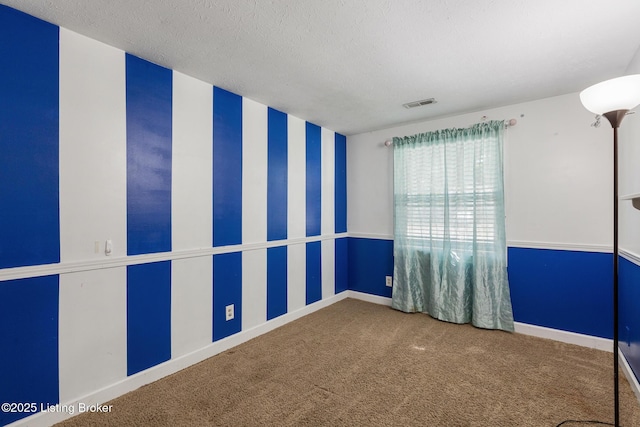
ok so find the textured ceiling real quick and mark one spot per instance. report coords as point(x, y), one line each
point(349, 65)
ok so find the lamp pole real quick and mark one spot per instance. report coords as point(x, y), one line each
point(615, 117)
point(613, 99)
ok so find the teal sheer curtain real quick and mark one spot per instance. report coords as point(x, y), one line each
point(450, 256)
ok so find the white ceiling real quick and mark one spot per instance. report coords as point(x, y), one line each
point(349, 65)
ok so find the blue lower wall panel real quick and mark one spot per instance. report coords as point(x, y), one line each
point(29, 337)
point(342, 265)
point(148, 315)
point(276, 282)
point(314, 272)
point(566, 290)
point(227, 289)
point(629, 313)
point(370, 261)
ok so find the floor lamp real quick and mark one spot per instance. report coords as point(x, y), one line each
point(612, 99)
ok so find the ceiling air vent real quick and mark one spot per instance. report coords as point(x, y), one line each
point(420, 103)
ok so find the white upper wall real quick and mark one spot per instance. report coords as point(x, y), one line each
point(629, 156)
point(634, 65)
point(558, 175)
point(629, 153)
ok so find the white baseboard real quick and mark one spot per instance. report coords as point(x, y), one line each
point(99, 397)
point(564, 336)
point(375, 299)
point(628, 373)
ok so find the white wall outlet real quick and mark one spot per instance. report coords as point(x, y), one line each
point(230, 314)
point(108, 247)
point(96, 246)
point(389, 281)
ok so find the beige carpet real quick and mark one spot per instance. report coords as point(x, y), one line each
point(361, 364)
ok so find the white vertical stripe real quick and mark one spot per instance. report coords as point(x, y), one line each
point(254, 288)
point(297, 167)
point(296, 277)
point(328, 268)
point(92, 339)
point(328, 181)
point(191, 304)
point(254, 171)
point(93, 162)
point(192, 159)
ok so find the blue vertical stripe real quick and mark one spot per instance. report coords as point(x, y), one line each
point(276, 282)
point(314, 179)
point(149, 92)
point(314, 272)
point(29, 340)
point(29, 177)
point(227, 290)
point(148, 315)
point(277, 184)
point(227, 168)
point(342, 265)
point(340, 183)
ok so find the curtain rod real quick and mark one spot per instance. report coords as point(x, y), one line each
point(507, 124)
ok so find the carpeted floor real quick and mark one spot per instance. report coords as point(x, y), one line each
point(361, 364)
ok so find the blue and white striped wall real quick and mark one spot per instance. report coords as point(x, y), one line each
point(209, 199)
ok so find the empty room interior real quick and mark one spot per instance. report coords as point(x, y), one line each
point(179, 179)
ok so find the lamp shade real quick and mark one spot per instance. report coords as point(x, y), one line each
point(622, 93)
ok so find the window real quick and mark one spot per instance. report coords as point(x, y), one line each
point(451, 191)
